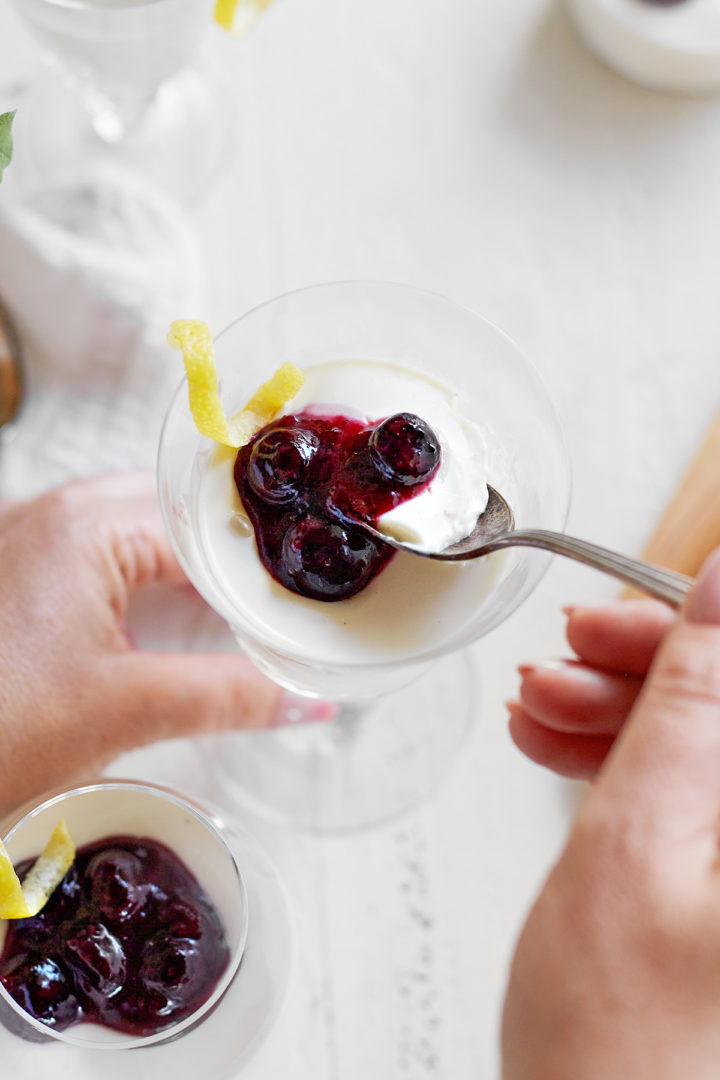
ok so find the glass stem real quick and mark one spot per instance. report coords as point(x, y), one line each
point(115, 116)
point(348, 720)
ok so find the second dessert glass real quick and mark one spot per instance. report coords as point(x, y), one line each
point(390, 656)
point(229, 1027)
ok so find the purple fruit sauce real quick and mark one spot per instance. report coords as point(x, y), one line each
point(128, 939)
point(303, 478)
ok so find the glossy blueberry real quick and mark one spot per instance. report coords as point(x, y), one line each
point(42, 988)
point(117, 888)
point(171, 972)
point(169, 962)
point(405, 449)
point(279, 462)
point(181, 919)
point(97, 960)
point(327, 561)
point(34, 932)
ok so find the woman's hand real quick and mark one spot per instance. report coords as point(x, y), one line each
point(570, 711)
point(617, 972)
point(73, 692)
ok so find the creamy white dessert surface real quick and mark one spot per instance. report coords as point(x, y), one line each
point(413, 603)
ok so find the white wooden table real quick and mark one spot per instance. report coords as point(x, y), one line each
point(474, 148)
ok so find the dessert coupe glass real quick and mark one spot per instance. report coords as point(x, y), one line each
point(391, 656)
point(125, 93)
point(219, 1036)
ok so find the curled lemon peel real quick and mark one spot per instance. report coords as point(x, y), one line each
point(194, 339)
point(266, 402)
point(236, 16)
point(22, 900)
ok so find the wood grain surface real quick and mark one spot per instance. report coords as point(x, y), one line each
point(689, 529)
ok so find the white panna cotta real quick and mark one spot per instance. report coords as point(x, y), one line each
point(672, 46)
point(413, 604)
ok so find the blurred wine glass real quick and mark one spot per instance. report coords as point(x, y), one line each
point(125, 90)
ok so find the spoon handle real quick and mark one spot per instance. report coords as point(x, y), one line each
point(664, 584)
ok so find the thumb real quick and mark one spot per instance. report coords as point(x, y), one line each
point(166, 696)
point(665, 772)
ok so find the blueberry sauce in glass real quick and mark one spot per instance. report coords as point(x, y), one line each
point(128, 939)
point(303, 478)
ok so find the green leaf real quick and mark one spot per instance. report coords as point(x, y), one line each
point(6, 140)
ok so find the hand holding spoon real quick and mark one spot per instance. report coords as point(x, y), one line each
point(495, 529)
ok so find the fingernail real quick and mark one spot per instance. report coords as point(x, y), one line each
point(584, 676)
point(570, 669)
point(589, 605)
point(543, 665)
point(292, 710)
point(703, 605)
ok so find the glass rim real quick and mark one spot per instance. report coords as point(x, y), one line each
point(173, 1031)
point(432, 652)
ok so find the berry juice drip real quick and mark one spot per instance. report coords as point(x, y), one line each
point(128, 939)
point(302, 480)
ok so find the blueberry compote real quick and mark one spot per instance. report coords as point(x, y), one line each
point(304, 478)
point(128, 939)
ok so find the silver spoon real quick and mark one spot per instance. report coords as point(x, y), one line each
point(11, 370)
point(495, 529)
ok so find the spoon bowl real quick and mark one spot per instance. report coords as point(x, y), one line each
point(495, 529)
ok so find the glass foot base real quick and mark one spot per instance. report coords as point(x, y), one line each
point(372, 763)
